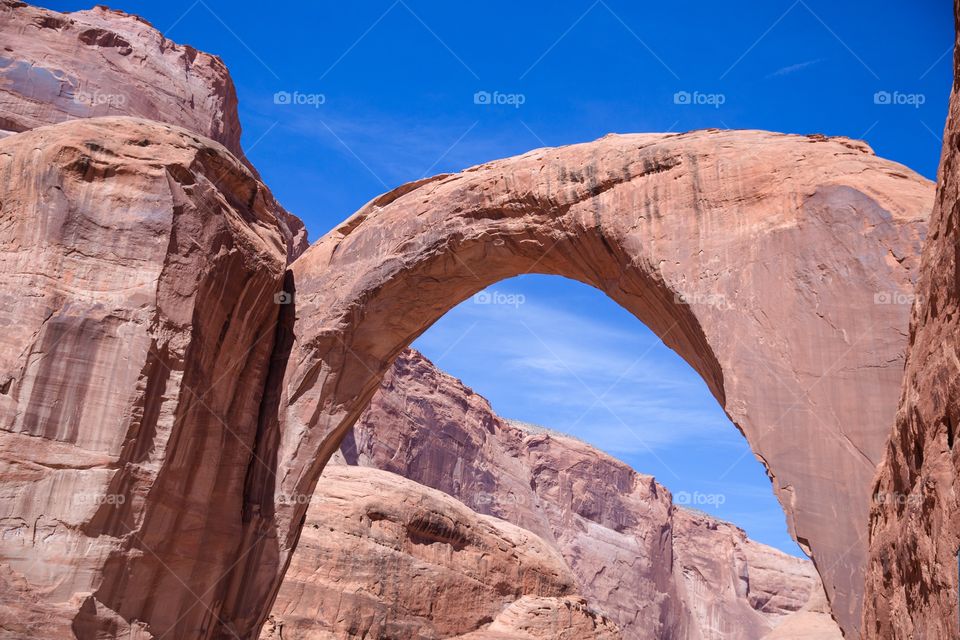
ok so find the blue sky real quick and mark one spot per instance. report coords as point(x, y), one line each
point(383, 92)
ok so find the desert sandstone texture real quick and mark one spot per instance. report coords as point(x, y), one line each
point(912, 579)
point(164, 422)
point(800, 238)
point(653, 569)
point(63, 66)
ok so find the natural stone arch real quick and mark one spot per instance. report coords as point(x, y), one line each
point(758, 257)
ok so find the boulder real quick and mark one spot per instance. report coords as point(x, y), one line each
point(384, 557)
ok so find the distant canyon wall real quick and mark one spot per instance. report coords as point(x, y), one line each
point(656, 570)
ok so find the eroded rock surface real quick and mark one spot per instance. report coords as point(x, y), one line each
point(654, 571)
point(812, 622)
point(539, 618)
point(101, 62)
point(731, 586)
point(763, 259)
point(801, 239)
point(611, 524)
point(912, 583)
point(138, 269)
point(384, 557)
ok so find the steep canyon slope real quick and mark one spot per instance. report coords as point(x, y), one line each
point(656, 570)
point(156, 441)
point(913, 579)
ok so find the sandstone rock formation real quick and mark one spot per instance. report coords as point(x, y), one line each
point(101, 62)
point(610, 523)
point(656, 571)
point(802, 240)
point(384, 557)
point(813, 622)
point(146, 360)
point(718, 586)
point(539, 618)
point(912, 583)
point(138, 269)
point(62, 66)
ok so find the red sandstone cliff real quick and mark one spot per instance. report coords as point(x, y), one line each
point(56, 67)
point(656, 570)
point(139, 372)
point(139, 267)
point(912, 581)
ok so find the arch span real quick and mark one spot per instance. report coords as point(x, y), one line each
point(776, 265)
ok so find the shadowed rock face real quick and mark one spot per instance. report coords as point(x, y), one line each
point(657, 571)
point(912, 581)
point(138, 268)
point(764, 260)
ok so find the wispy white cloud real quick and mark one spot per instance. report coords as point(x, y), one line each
point(793, 68)
point(568, 359)
point(616, 386)
point(398, 148)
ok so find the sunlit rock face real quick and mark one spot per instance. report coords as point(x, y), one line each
point(912, 580)
point(642, 565)
point(533, 618)
point(384, 557)
point(156, 441)
point(63, 66)
point(775, 265)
